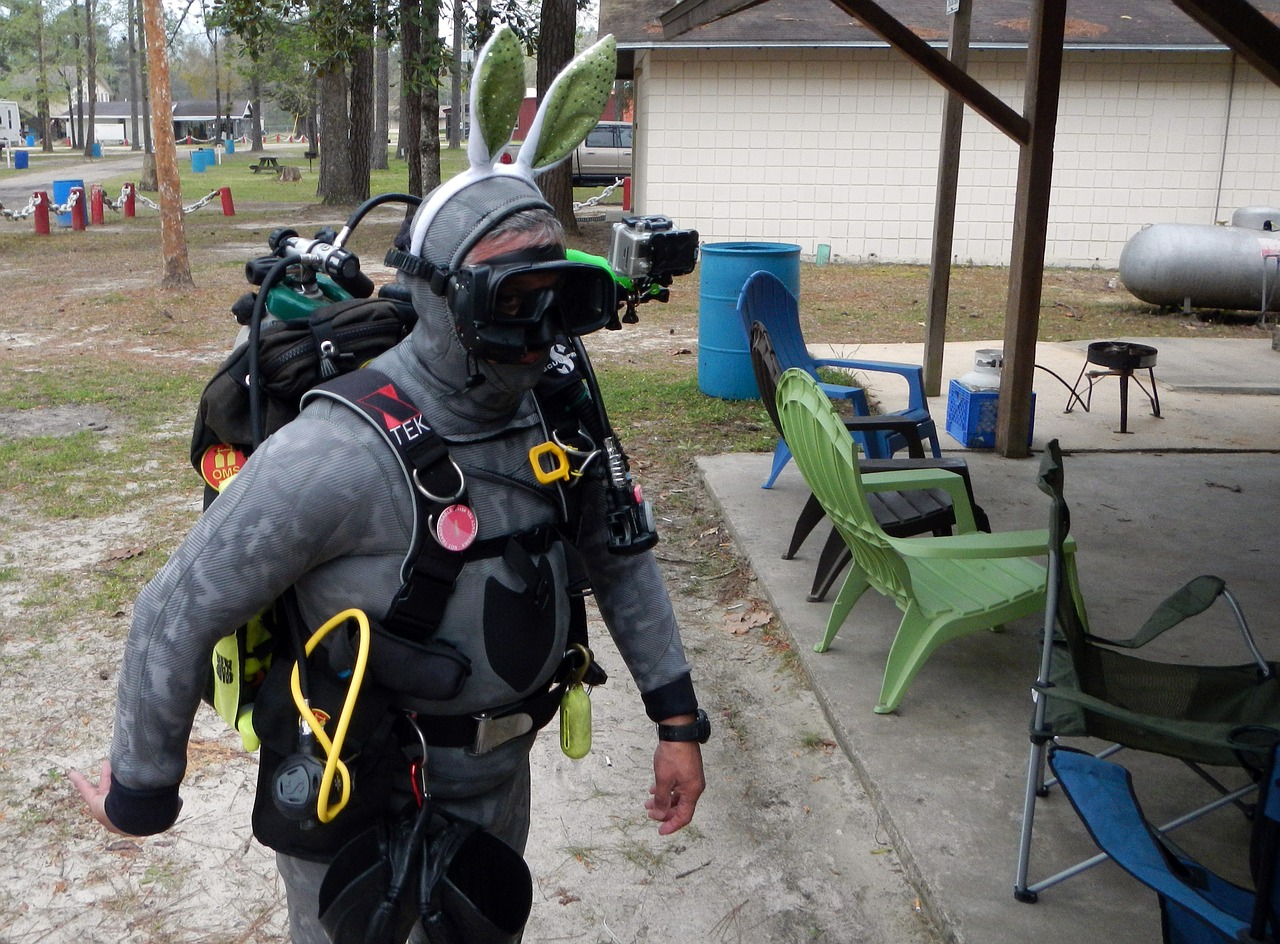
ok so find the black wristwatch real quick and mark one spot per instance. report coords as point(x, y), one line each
point(699, 730)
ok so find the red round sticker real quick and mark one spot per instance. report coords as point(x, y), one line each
point(456, 528)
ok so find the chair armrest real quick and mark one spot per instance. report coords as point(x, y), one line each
point(906, 428)
point(951, 483)
point(913, 374)
point(980, 545)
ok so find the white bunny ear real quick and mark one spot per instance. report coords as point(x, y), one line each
point(570, 109)
point(497, 89)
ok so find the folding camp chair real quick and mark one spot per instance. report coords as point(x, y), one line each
point(1088, 686)
point(1196, 905)
point(765, 299)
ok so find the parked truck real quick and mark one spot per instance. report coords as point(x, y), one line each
point(602, 157)
point(10, 125)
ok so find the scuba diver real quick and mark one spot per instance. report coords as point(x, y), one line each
point(472, 569)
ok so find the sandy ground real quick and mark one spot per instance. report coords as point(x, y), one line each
point(785, 846)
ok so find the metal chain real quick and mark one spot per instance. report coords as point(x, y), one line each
point(607, 191)
point(34, 201)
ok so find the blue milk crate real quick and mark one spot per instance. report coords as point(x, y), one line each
point(971, 416)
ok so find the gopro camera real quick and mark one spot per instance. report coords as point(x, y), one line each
point(650, 248)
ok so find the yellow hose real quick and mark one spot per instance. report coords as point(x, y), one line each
point(333, 750)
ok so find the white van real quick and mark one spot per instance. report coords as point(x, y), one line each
point(10, 124)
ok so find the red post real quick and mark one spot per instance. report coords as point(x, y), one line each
point(228, 207)
point(41, 214)
point(77, 199)
point(129, 200)
point(95, 202)
point(626, 194)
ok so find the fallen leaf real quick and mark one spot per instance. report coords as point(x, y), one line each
point(125, 553)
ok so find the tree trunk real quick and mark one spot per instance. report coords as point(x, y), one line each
point(381, 94)
point(131, 19)
point(91, 64)
point(43, 104)
point(411, 91)
point(334, 187)
point(456, 118)
point(173, 239)
point(255, 104)
point(555, 49)
point(363, 122)
point(144, 61)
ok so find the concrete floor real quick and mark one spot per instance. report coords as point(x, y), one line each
point(1192, 492)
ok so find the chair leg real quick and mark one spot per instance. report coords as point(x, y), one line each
point(1035, 788)
point(810, 515)
point(835, 555)
point(781, 456)
point(853, 587)
point(914, 642)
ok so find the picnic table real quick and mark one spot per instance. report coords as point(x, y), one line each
point(265, 163)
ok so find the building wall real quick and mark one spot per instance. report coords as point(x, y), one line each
point(840, 147)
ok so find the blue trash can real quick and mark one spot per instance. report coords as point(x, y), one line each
point(19, 160)
point(97, 149)
point(31, 140)
point(724, 354)
point(200, 159)
point(62, 193)
point(231, 145)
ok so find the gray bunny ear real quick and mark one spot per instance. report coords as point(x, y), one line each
point(497, 89)
point(571, 107)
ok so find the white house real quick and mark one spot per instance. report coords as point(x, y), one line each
point(791, 122)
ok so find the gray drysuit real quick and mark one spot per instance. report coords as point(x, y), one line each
point(323, 506)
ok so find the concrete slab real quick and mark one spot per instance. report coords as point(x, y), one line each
point(1209, 392)
point(948, 769)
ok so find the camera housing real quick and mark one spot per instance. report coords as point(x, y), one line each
point(650, 248)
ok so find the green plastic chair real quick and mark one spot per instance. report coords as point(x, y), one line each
point(946, 587)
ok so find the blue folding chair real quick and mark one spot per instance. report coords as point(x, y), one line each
point(1196, 905)
point(765, 299)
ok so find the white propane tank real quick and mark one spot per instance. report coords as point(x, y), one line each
point(986, 370)
point(1228, 267)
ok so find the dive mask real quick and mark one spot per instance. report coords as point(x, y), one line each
point(520, 302)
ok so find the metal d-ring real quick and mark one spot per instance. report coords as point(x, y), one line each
point(446, 499)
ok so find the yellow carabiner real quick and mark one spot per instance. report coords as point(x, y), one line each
point(559, 471)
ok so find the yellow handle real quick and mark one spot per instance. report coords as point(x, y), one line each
point(333, 750)
point(559, 471)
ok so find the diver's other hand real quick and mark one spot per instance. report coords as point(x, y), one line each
point(95, 795)
point(678, 781)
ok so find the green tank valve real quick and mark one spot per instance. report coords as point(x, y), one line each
point(575, 713)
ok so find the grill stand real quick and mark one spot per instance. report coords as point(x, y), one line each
point(1121, 359)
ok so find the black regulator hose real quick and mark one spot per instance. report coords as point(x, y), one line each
point(257, 422)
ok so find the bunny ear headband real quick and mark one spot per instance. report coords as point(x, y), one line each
point(570, 109)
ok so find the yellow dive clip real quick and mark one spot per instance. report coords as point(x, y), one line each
point(559, 469)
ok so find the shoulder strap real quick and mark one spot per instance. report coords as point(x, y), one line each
point(429, 572)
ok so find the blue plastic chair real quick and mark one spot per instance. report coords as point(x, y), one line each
point(1196, 905)
point(765, 299)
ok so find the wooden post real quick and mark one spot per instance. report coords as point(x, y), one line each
point(1030, 224)
point(944, 212)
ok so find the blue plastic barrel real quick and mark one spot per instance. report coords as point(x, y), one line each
point(31, 140)
point(231, 145)
point(62, 193)
point(19, 160)
point(97, 149)
point(724, 355)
